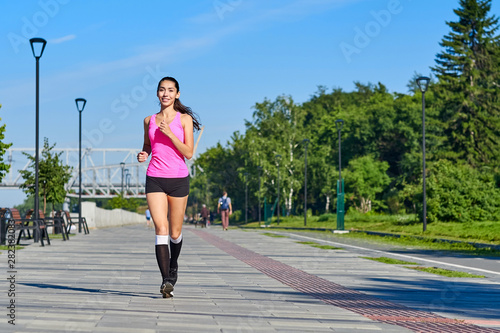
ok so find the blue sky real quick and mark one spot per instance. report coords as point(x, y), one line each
point(226, 54)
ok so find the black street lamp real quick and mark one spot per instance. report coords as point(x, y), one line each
point(128, 175)
point(340, 184)
point(122, 164)
point(278, 159)
point(39, 45)
point(246, 197)
point(80, 105)
point(306, 142)
point(423, 84)
point(259, 168)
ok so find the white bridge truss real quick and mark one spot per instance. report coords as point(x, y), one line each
point(102, 174)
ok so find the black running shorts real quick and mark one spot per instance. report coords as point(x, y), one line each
point(174, 187)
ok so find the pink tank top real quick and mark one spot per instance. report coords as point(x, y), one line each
point(166, 160)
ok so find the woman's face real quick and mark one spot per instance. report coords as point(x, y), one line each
point(167, 93)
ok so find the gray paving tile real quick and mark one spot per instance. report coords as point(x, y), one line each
point(108, 281)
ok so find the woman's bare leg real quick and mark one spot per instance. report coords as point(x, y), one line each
point(177, 210)
point(158, 206)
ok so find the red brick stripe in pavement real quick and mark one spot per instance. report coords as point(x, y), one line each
point(337, 295)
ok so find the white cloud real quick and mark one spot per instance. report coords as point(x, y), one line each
point(101, 73)
point(159, 54)
point(62, 39)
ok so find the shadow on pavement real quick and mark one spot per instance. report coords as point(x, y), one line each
point(89, 290)
point(454, 297)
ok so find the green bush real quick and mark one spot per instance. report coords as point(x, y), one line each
point(461, 193)
point(327, 217)
point(130, 204)
point(365, 178)
point(394, 202)
point(237, 216)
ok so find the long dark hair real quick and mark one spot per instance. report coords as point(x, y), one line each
point(178, 106)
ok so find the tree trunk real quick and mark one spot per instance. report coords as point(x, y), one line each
point(288, 202)
point(366, 205)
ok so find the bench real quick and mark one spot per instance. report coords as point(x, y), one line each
point(55, 222)
point(4, 216)
point(82, 222)
point(201, 222)
point(24, 225)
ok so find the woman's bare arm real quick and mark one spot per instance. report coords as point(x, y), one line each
point(146, 147)
point(185, 148)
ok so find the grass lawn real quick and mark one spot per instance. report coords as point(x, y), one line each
point(390, 261)
point(270, 234)
point(4, 249)
point(445, 272)
point(319, 246)
point(477, 232)
point(433, 270)
point(406, 227)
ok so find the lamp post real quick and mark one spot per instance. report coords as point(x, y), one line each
point(39, 45)
point(278, 159)
point(339, 123)
point(122, 165)
point(126, 175)
point(423, 84)
point(259, 168)
point(80, 105)
point(246, 197)
point(306, 142)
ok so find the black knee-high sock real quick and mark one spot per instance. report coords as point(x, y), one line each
point(175, 250)
point(163, 259)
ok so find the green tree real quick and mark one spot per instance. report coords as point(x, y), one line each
point(365, 178)
point(4, 168)
point(119, 202)
point(468, 70)
point(52, 176)
point(458, 192)
point(219, 168)
point(277, 129)
point(321, 112)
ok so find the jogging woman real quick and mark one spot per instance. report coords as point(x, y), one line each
point(168, 137)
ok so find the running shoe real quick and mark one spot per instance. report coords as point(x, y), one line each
point(166, 289)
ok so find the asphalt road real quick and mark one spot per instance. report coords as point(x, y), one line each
point(487, 266)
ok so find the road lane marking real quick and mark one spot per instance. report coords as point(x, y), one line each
point(397, 254)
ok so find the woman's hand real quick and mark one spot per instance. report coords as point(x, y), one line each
point(142, 156)
point(165, 128)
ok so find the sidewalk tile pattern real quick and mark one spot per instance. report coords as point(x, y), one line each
point(337, 295)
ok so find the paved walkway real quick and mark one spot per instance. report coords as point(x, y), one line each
point(232, 281)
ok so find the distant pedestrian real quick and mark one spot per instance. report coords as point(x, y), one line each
point(148, 217)
point(205, 215)
point(225, 209)
point(65, 206)
point(168, 138)
point(211, 217)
